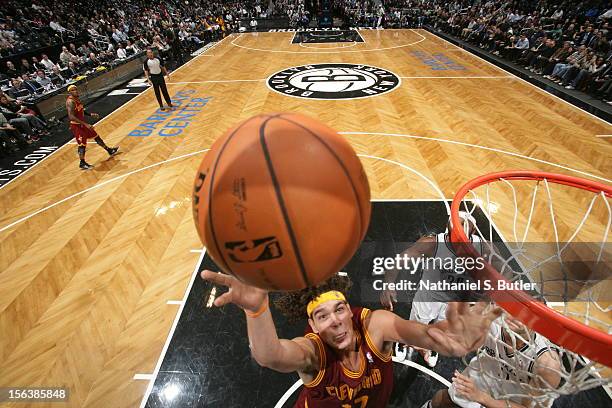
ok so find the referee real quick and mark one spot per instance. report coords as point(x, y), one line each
point(155, 70)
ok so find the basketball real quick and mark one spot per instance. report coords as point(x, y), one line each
point(281, 201)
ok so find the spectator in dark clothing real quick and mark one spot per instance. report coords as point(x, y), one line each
point(543, 57)
point(559, 55)
point(533, 52)
point(57, 77)
point(599, 44)
point(19, 89)
point(11, 71)
point(93, 61)
point(585, 36)
point(72, 70)
point(31, 84)
point(26, 68)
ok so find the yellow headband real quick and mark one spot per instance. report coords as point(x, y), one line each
point(324, 297)
point(71, 87)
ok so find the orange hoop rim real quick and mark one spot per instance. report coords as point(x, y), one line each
point(562, 330)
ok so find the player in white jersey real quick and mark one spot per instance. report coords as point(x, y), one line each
point(511, 365)
point(429, 306)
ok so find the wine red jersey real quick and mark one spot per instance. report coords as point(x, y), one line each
point(79, 109)
point(335, 386)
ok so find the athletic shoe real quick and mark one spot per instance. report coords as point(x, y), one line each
point(113, 151)
point(85, 166)
point(400, 351)
point(431, 358)
point(427, 404)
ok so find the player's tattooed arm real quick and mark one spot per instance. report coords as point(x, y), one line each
point(71, 116)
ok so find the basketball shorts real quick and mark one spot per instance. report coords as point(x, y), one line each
point(82, 133)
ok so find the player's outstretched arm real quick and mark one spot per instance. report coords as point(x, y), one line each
point(547, 370)
point(268, 350)
point(464, 329)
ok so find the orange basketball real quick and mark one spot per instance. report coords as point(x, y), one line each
point(281, 201)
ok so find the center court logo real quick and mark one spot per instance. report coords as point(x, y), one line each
point(333, 81)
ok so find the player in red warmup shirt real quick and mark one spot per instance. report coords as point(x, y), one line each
point(344, 359)
point(81, 129)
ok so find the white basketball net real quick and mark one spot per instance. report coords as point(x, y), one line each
point(588, 227)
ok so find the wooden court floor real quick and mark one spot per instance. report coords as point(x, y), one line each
point(90, 260)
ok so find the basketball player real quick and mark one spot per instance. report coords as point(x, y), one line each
point(82, 130)
point(155, 70)
point(344, 359)
point(429, 306)
point(494, 372)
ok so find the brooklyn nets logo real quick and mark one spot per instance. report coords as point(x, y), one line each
point(333, 81)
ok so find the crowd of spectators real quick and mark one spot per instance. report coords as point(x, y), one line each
point(360, 13)
point(567, 42)
point(296, 10)
point(46, 45)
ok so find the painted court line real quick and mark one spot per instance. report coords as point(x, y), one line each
point(337, 51)
point(458, 77)
point(403, 77)
point(344, 133)
point(353, 43)
point(174, 302)
point(95, 186)
point(433, 185)
point(196, 250)
point(603, 135)
point(171, 333)
point(147, 377)
point(71, 141)
point(479, 147)
point(215, 81)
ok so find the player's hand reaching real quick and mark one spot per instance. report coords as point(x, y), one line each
point(466, 388)
point(464, 329)
point(387, 298)
point(249, 298)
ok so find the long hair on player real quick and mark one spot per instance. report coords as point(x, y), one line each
point(293, 304)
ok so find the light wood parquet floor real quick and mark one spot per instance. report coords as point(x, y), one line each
point(84, 282)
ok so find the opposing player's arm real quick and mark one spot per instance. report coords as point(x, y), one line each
point(464, 329)
point(423, 246)
point(467, 388)
point(547, 370)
